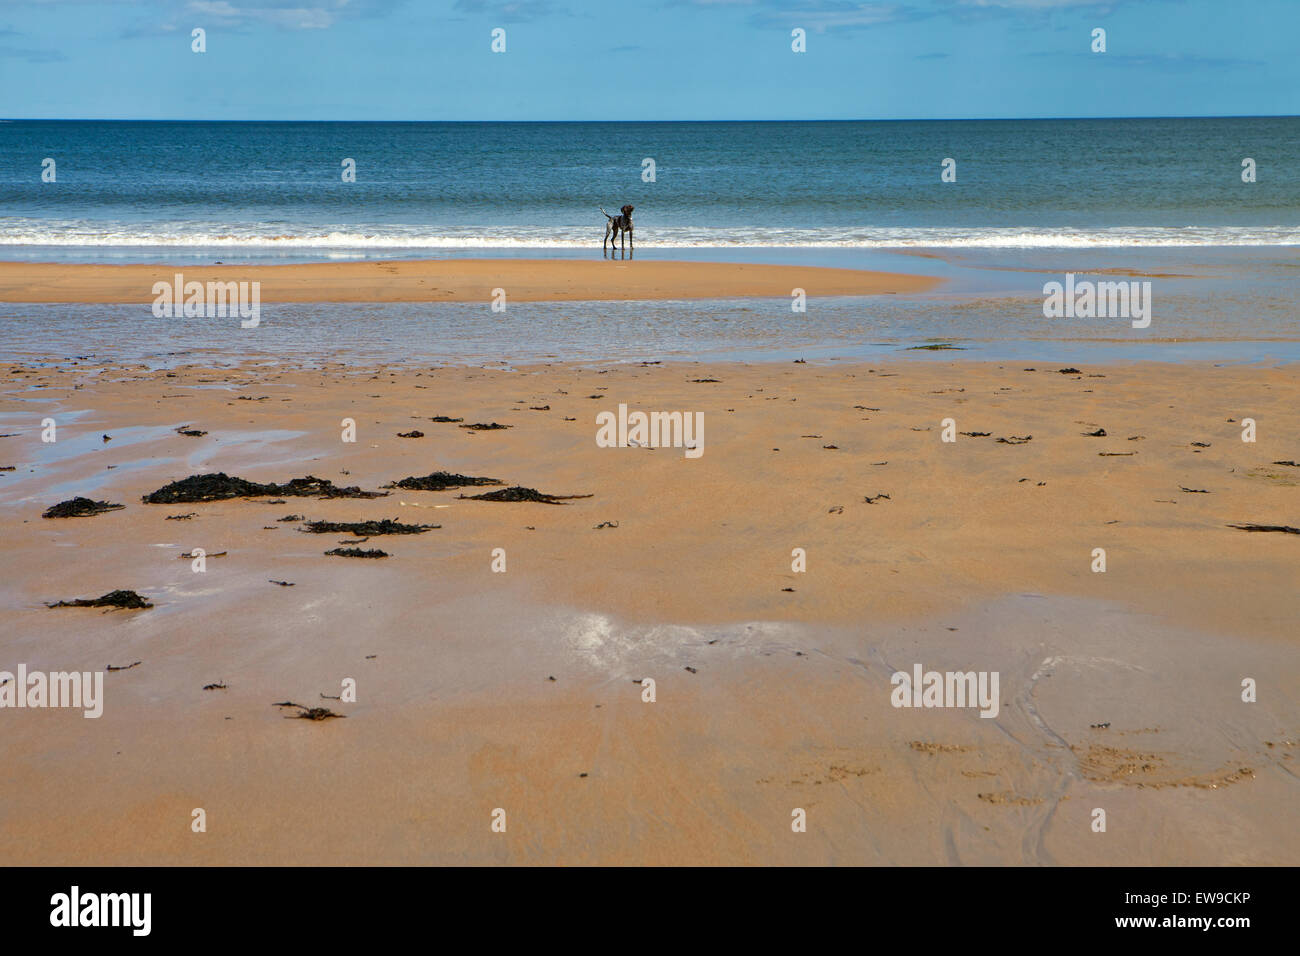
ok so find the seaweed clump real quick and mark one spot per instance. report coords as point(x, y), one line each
point(79, 508)
point(366, 528)
point(519, 493)
point(441, 481)
point(219, 486)
point(308, 713)
point(357, 553)
point(119, 598)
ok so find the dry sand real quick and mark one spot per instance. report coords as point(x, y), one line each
point(453, 280)
point(768, 699)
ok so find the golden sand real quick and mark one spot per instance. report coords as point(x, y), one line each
point(479, 690)
point(453, 280)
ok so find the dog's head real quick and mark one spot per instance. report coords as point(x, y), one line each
point(627, 211)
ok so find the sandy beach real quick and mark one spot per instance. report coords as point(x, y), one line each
point(453, 280)
point(479, 689)
point(553, 436)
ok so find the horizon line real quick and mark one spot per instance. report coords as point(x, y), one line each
point(936, 119)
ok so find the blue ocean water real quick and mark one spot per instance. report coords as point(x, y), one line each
point(274, 190)
point(1032, 200)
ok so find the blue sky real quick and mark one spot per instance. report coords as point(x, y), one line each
point(646, 59)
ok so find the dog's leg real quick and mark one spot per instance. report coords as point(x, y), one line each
point(631, 245)
point(606, 240)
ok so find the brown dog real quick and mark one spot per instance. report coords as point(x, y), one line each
point(618, 224)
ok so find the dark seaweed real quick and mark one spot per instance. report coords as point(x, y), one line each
point(309, 713)
point(219, 486)
point(519, 493)
point(366, 528)
point(79, 508)
point(120, 598)
point(441, 481)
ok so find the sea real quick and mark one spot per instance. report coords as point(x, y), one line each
point(1208, 208)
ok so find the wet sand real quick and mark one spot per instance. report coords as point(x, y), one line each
point(453, 280)
point(1119, 690)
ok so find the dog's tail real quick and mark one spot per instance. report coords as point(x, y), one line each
point(607, 215)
